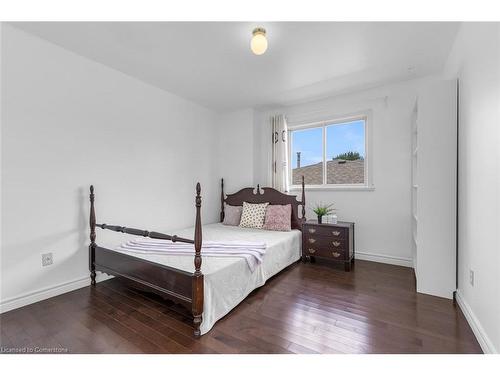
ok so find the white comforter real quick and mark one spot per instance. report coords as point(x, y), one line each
point(229, 280)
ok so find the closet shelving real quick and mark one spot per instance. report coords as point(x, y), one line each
point(433, 188)
point(414, 182)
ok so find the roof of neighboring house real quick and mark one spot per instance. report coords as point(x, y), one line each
point(338, 172)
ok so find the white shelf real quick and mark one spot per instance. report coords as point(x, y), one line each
point(432, 161)
point(414, 186)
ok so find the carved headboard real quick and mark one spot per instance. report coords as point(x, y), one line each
point(266, 194)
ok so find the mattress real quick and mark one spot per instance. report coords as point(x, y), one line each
point(227, 281)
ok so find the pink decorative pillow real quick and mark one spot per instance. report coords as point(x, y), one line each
point(278, 218)
point(232, 215)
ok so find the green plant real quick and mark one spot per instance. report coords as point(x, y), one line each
point(349, 155)
point(322, 209)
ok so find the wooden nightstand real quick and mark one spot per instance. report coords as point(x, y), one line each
point(330, 241)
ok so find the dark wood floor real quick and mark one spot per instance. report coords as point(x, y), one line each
point(308, 308)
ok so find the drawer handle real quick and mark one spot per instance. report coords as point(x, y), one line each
point(312, 230)
point(336, 233)
point(312, 251)
point(336, 243)
point(312, 240)
point(335, 254)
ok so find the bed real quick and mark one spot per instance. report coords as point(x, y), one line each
point(209, 287)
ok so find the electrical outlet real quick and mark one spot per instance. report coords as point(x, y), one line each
point(471, 277)
point(47, 259)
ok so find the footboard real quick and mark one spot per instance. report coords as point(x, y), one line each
point(180, 286)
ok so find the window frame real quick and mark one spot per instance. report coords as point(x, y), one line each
point(323, 124)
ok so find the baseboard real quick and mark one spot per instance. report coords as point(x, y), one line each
point(481, 336)
point(45, 293)
point(389, 259)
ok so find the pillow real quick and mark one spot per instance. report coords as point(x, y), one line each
point(253, 215)
point(278, 218)
point(232, 215)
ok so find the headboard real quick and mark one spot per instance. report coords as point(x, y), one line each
point(270, 195)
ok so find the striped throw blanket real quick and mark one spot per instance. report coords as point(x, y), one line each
point(252, 252)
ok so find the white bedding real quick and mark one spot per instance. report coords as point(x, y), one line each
point(229, 280)
point(252, 252)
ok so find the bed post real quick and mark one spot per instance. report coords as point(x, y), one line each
point(303, 200)
point(221, 200)
point(197, 299)
point(92, 237)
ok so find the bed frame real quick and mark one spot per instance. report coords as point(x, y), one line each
point(173, 284)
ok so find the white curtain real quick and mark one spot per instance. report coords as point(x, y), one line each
point(280, 153)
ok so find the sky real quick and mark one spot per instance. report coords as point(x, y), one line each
point(340, 138)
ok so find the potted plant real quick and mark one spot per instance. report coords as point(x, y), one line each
point(323, 209)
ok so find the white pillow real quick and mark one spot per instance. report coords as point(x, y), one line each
point(253, 215)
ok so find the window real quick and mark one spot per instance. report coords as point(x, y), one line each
point(329, 154)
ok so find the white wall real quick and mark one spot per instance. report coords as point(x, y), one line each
point(68, 122)
point(1, 153)
point(382, 215)
point(475, 61)
point(235, 148)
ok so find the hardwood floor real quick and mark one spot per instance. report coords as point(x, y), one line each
point(308, 308)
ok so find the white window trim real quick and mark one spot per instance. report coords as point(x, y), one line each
point(368, 185)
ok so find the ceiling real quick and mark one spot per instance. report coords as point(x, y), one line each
point(211, 63)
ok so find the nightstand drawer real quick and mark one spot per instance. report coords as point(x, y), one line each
point(325, 231)
point(325, 242)
point(339, 254)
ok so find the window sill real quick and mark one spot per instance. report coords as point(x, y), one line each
point(334, 188)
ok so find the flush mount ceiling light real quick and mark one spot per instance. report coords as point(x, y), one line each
point(259, 41)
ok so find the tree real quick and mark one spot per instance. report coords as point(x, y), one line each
point(349, 155)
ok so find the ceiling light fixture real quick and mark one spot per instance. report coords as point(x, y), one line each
point(259, 41)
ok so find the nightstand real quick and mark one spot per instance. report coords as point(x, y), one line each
point(329, 241)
